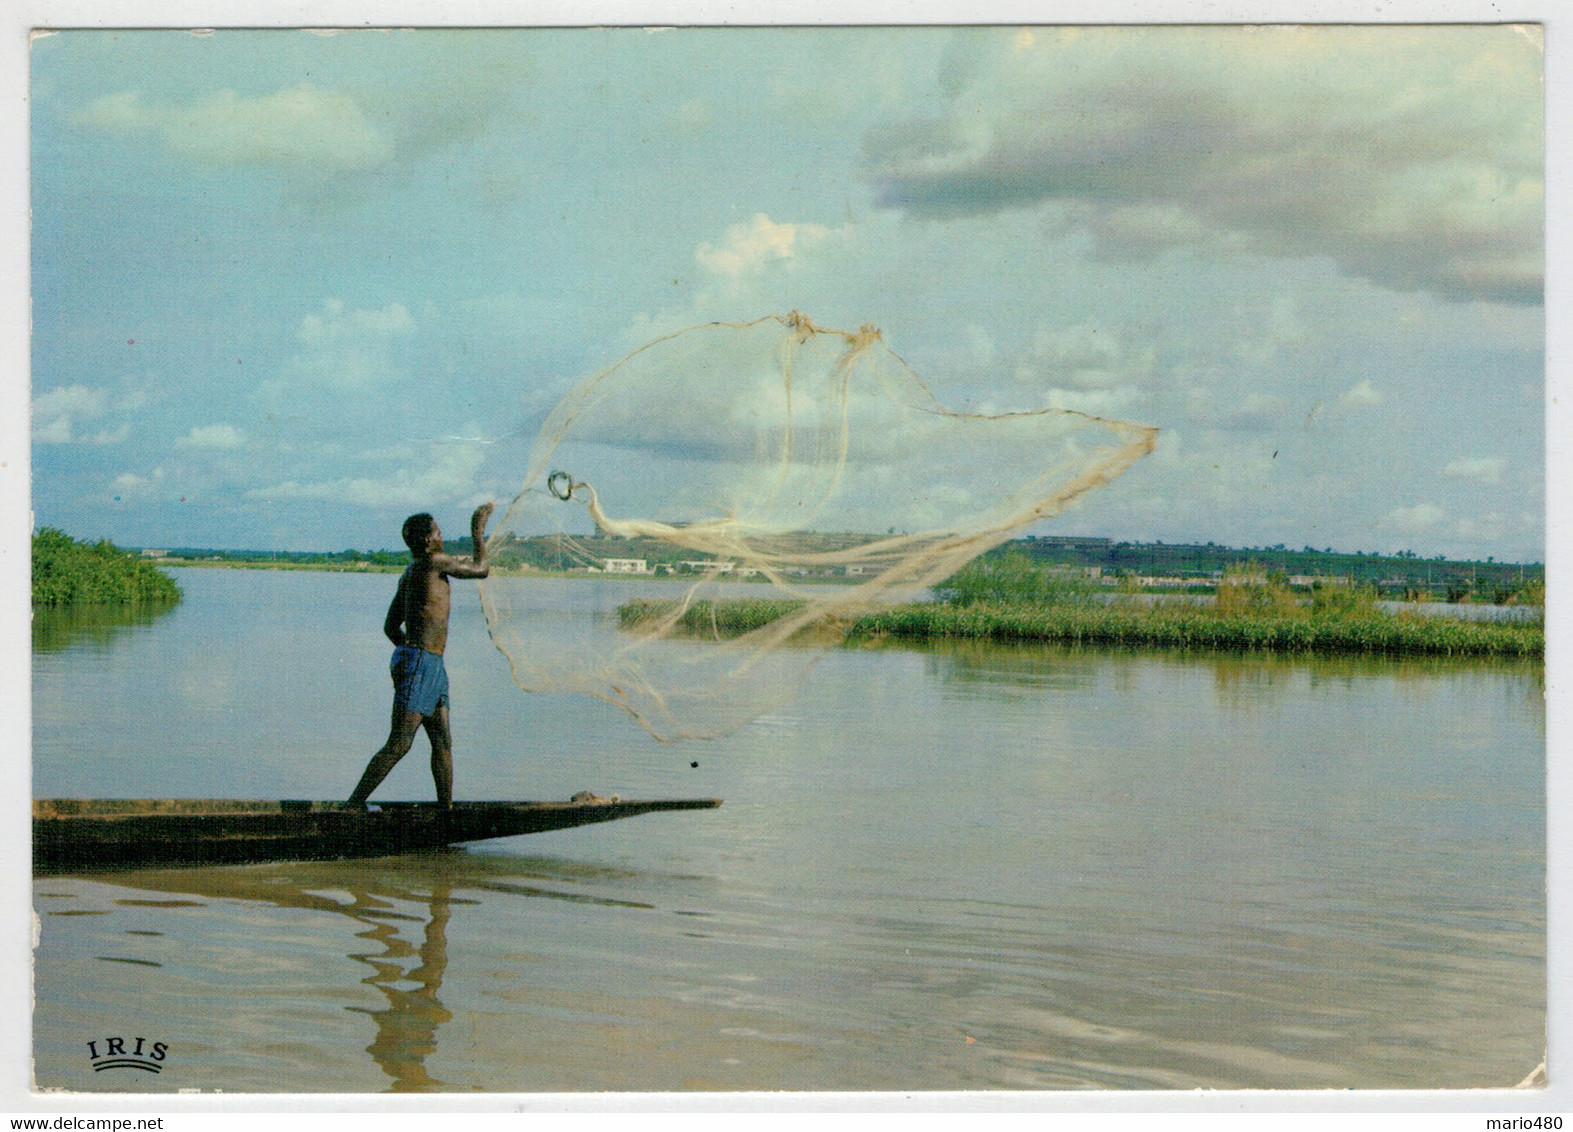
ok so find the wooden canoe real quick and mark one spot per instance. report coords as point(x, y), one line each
point(83, 835)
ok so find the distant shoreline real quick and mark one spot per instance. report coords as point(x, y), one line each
point(497, 572)
point(320, 567)
point(1189, 592)
point(1106, 564)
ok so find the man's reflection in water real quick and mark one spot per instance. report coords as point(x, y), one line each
point(408, 976)
point(407, 1027)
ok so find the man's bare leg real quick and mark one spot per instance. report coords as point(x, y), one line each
point(441, 754)
point(401, 733)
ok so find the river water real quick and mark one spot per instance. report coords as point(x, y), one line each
point(950, 867)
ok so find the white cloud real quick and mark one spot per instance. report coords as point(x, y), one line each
point(344, 349)
point(220, 436)
point(1487, 469)
point(1083, 357)
point(1255, 412)
point(1120, 402)
point(302, 126)
point(130, 483)
point(59, 414)
point(452, 476)
point(981, 344)
point(337, 324)
point(1362, 395)
point(1411, 156)
point(54, 431)
point(1416, 520)
point(749, 247)
point(1250, 412)
point(56, 413)
point(73, 399)
point(1487, 526)
point(1279, 326)
point(110, 435)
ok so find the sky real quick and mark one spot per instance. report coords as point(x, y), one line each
point(288, 286)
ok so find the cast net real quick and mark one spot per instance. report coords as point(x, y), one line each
point(805, 473)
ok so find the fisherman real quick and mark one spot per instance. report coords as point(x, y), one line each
point(417, 624)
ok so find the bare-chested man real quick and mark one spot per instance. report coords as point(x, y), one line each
point(417, 624)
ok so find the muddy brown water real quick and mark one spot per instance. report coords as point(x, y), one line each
point(951, 867)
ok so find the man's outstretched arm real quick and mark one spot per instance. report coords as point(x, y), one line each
point(477, 566)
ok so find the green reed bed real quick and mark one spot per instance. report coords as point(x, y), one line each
point(725, 618)
point(1373, 632)
point(1096, 624)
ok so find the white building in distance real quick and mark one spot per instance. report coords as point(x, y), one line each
point(626, 566)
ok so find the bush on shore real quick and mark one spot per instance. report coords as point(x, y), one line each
point(1014, 578)
point(68, 572)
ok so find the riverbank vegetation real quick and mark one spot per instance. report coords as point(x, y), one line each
point(69, 572)
point(1198, 627)
point(1016, 599)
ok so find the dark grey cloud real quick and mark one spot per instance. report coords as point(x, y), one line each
point(1409, 156)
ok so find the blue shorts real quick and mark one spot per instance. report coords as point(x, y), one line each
point(420, 682)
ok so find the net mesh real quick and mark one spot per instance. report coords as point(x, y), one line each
point(770, 459)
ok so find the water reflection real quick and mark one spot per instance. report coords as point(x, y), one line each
point(58, 627)
point(405, 906)
point(407, 1026)
point(1009, 670)
point(1006, 671)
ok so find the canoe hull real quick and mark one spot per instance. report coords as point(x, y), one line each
point(82, 835)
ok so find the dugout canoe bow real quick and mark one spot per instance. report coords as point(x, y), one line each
point(83, 835)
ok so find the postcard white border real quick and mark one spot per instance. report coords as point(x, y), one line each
point(18, 19)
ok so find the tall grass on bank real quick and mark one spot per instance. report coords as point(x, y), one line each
point(1022, 601)
point(68, 572)
point(1190, 627)
point(1014, 578)
point(710, 618)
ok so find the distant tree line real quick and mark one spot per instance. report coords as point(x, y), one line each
point(1399, 575)
point(400, 558)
